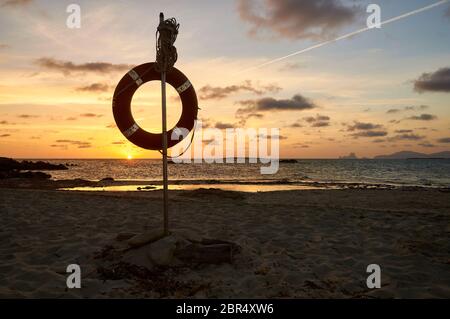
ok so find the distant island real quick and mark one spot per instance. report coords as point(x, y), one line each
point(414, 155)
point(349, 156)
point(403, 155)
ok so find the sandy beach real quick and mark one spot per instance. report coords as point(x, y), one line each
point(294, 244)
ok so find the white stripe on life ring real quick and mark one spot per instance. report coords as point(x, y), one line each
point(131, 130)
point(135, 76)
point(186, 85)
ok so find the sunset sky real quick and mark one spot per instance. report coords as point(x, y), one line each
point(378, 92)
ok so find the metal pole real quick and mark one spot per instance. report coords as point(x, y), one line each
point(164, 142)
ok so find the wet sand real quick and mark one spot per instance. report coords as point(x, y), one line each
point(295, 244)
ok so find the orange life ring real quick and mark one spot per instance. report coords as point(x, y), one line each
point(122, 105)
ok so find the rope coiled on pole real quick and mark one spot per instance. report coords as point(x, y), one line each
point(166, 56)
point(166, 52)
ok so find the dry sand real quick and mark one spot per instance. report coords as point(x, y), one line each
point(299, 244)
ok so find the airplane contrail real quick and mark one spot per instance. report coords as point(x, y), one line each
point(405, 15)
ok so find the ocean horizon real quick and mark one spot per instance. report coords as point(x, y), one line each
point(397, 172)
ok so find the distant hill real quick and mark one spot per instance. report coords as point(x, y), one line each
point(445, 154)
point(408, 154)
point(349, 156)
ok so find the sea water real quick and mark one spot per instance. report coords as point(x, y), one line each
point(411, 172)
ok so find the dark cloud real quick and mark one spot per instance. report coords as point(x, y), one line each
point(71, 118)
point(78, 144)
point(223, 126)
point(407, 108)
point(444, 140)
point(3, 46)
point(297, 103)
point(296, 125)
point(320, 124)
point(392, 111)
point(27, 116)
point(95, 87)
point(67, 67)
point(379, 140)
point(369, 134)
point(318, 120)
point(423, 117)
point(256, 108)
point(6, 123)
point(90, 115)
point(438, 81)
point(403, 131)
point(296, 19)
point(267, 137)
point(216, 93)
point(112, 125)
point(360, 126)
point(5, 135)
point(299, 145)
point(426, 129)
point(16, 3)
point(426, 144)
point(255, 115)
point(118, 143)
point(406, 137)
point(67, 141)
point(416, 108)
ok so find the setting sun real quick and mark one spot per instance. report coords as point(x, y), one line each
point(129, 157)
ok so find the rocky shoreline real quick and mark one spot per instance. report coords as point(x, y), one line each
point(10, 168)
